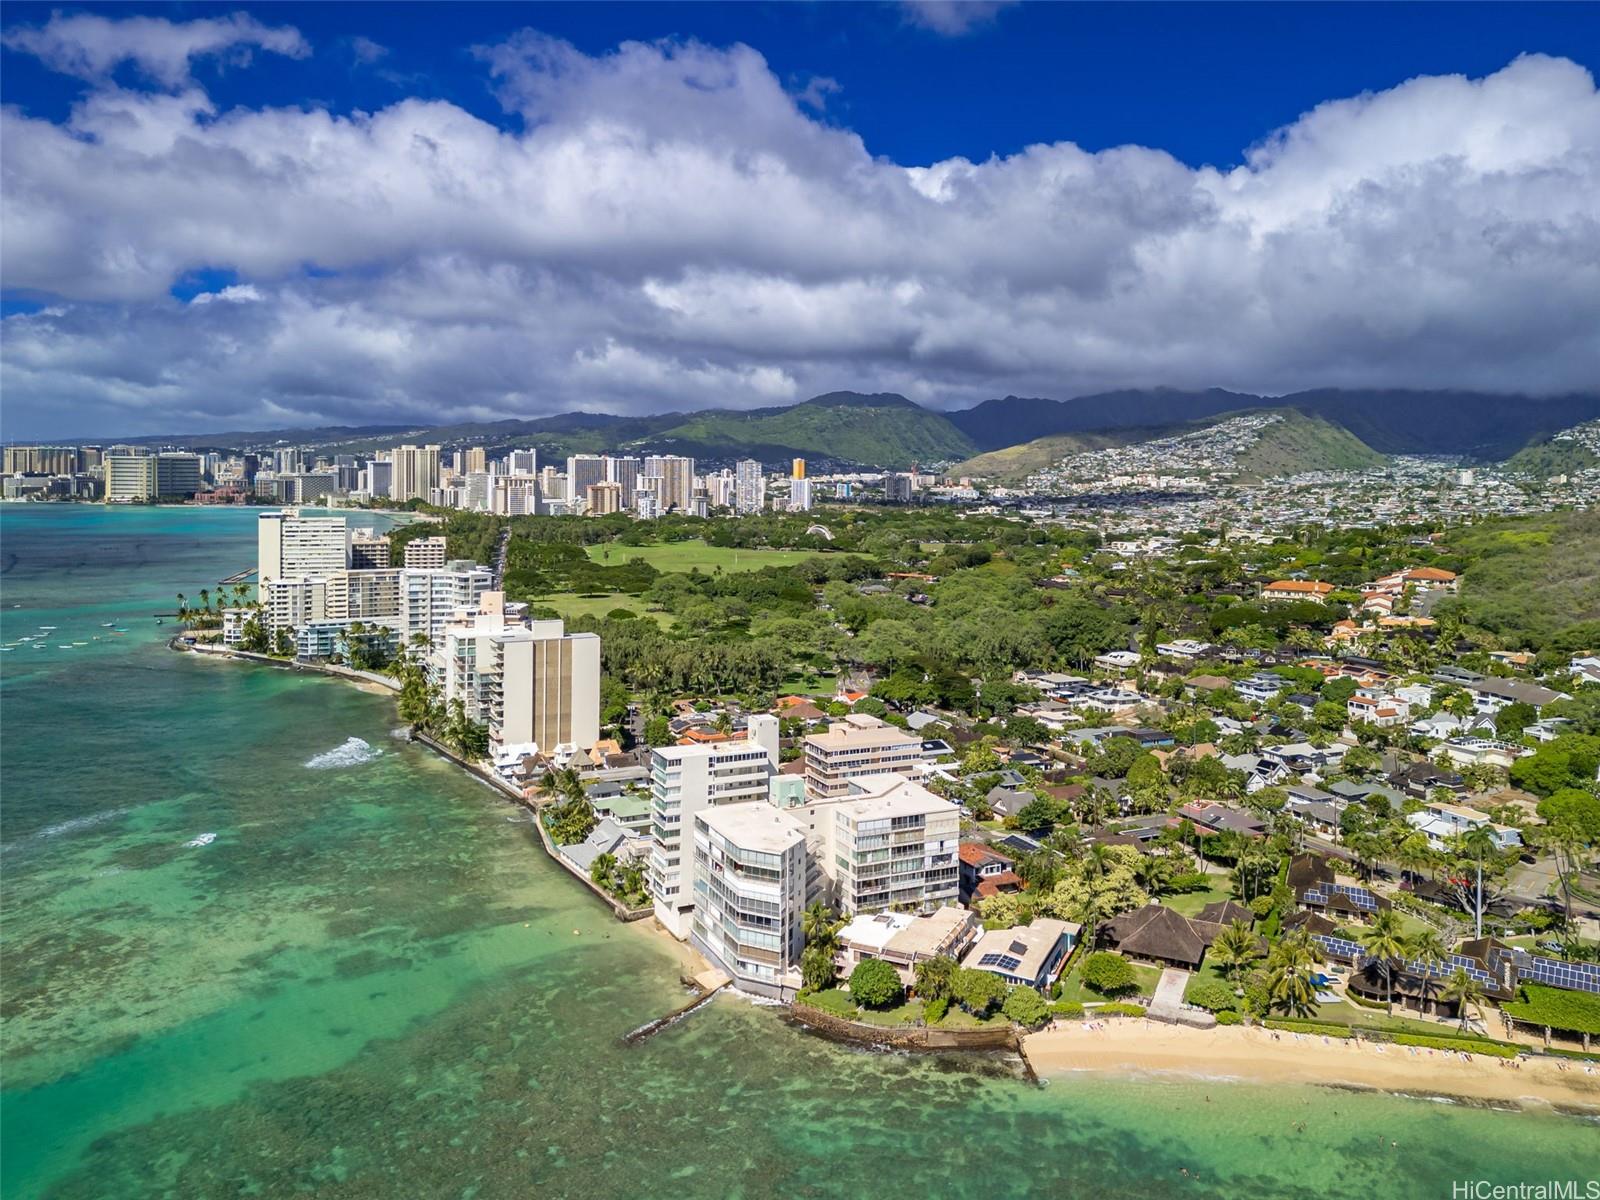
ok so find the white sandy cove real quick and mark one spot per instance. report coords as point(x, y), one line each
point(1267, 1056)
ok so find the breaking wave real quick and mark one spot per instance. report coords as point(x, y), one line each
point(87, 821)
point(205, 839)
point(352, 753)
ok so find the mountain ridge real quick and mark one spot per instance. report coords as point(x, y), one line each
point(888, 430)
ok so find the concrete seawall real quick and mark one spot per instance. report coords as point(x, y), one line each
point(902, 1037)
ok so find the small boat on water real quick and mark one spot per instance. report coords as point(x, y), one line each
point(107, 624)
point(159, 621)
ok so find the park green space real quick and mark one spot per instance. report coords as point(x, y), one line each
point(695, 554)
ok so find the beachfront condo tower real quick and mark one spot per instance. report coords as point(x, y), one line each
point(685, 780)
point(749, 886)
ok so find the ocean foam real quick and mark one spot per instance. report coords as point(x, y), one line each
point(352, 753)
point(205, 839)
point(88, 821)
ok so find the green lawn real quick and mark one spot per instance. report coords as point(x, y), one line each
point(1346, 1013)
point(668, 557)
point(1190, 903)
point(1072, 987)
point(571, 605)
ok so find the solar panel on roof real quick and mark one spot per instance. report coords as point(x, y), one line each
point(1004, 961)
point(1578, 977)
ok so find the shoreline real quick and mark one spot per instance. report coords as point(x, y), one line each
point(690, 960)
point(1240, 1054)
point(1130, 1048)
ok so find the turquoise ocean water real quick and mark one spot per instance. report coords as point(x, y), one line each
point(254, 945)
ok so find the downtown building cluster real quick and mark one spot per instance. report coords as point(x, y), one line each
point(516, 484)
point(328, 591)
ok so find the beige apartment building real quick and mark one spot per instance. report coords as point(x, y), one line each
point(542, 686)
point(425, 553)
point(856, 746)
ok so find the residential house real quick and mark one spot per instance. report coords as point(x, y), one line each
point(1421, 779)
point(1008, 802)
point(1480, 751)
point(1212, 818)
point(903, 940)
point(1159, 934)
point(1262, 687)
point(1441, 822)
point(1117, 660)
point(1296, 589)
point(1384, 713)
point(1025, 955)
point(985, 872)
point(1182, 648)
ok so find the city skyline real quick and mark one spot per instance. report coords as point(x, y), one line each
point(312, 216)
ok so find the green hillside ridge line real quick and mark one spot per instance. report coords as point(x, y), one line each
point(1013, 464)
point(1301, 443)
point(1296, 444)
point(1547, 458)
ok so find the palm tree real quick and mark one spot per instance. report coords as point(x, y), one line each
point(1385, 941)
point(1466, 992)
point(563, 784)
point(1234, 947)
point(1429, 950)
point(1413, 855)
point(1291, 972)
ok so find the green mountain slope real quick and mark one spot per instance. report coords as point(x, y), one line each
point(1301, 443)
point(1556, 456)
point(882, 430)
point(1532, 581)
point(1013, 464)
point(1290, 446)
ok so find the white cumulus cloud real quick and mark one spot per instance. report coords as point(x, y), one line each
point(670, 227)
point(92, 47)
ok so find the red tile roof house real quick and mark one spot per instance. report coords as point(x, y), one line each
point(985, 872)
point(1296, 589)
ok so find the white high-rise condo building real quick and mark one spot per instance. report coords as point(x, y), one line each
point(290, 544)
point(749, 487)
point(890, 844)
point(380, 478)
point(583, 472)
point(749, 889)
point(624, 471)
point(429, 598)
point(524, 462)
point(684, 780)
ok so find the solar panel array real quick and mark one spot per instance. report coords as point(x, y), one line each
point(1338, 947)
point(1578, 977)
point(1360, 897)
point(1004, 961)
point(1443, 970)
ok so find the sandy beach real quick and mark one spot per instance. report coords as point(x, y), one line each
point(1258, 1055)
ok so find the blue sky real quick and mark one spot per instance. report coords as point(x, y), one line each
point(1202, 81)
point(688, 223)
